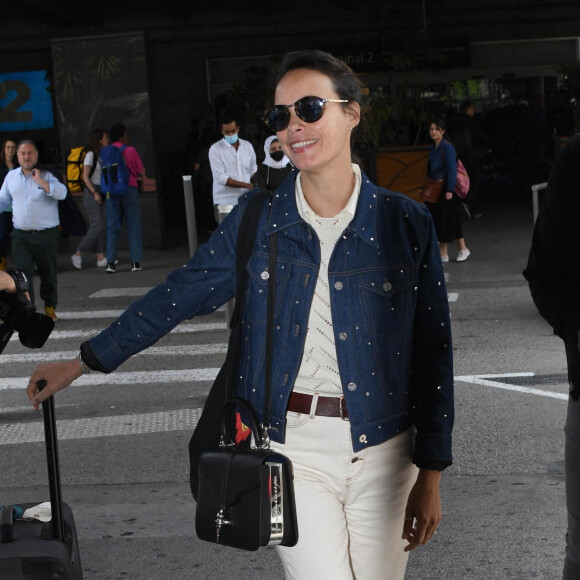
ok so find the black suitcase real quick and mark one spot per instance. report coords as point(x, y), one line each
point(35, 550)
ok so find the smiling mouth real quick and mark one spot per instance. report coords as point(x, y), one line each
point(302, 144)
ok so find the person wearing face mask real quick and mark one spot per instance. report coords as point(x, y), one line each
point(233, 162)
point(275, 166)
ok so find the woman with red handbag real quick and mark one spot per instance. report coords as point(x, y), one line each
point(446, 211)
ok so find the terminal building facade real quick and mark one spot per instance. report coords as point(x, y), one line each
point(166, 70)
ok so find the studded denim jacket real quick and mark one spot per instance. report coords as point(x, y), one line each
point(389, 309)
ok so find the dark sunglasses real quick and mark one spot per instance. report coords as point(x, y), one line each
point(309, 109)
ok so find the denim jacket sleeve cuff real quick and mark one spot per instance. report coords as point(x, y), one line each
point(432, 448)
point(434, 464)
point(91, 360)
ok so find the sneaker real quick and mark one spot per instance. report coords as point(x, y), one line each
point(49, 311)
point(111, 268)
point(463, 255)
point(102, 263)
point(445, 258)
point(135, 267)
point(77, 261)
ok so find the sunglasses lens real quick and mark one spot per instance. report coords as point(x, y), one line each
point(277, 118)
point(310, 109)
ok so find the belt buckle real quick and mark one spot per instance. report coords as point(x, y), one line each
point(342, 408)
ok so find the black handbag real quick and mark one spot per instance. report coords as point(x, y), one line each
point(245, 496)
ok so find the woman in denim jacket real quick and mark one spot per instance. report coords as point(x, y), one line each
point(362, 378)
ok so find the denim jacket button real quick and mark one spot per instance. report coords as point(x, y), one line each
point(342, 336)
point(351, 386)
point(338, 285)
point(362, 439)
point(387, 286)
point(265, 275)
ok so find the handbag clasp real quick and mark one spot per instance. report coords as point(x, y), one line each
point(219, 522)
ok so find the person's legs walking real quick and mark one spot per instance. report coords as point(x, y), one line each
point(572, 453)
point(133, 216)
point(375, 513)
point(90, 241)
point(320, 450)
point(45, 252)
point(23, 258)
point(350, 505)
point(113, 213)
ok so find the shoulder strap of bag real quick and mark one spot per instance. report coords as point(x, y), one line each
point(270, 328)
point(244, 243)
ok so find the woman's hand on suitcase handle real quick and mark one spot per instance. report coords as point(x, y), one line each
point(57, 377)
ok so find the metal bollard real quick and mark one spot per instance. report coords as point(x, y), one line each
point(190, 214)
point(222, 212)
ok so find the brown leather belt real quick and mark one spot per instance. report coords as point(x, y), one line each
point(325, 406)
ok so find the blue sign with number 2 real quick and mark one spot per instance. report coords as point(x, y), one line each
point(25, 101)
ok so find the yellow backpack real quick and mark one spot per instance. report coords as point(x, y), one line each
point(74, 169)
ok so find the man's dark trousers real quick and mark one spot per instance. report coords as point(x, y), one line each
point(38, 247)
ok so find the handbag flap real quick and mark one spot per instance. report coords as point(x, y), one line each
point(229, 473)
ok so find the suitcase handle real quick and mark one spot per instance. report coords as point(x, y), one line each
point(52, 462)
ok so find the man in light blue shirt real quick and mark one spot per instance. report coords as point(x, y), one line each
point(34, 195)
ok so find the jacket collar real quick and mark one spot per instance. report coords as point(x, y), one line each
point(284, 213)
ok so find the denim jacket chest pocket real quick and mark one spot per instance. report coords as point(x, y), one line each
point(257, 291)
point(387, 298)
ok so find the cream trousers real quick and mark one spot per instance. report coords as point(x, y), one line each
point(350, 506)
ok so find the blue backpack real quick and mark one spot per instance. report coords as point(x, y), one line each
point(114, 172)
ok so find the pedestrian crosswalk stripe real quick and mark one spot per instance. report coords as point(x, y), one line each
point(183, 328)
point(182, 350)
point(86, 314)
point(126, 378)
point(86, 428)
point(120, 292)
point(487, 381)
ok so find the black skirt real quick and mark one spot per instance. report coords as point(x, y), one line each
point(447, 217)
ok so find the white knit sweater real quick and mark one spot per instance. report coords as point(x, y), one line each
point(318, 371)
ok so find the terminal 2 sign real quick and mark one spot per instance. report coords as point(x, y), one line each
point(431, 54)
point(25, 101)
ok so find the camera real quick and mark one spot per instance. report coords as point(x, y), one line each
point(17, 314)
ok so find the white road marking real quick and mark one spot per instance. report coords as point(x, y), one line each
point(164, 421)
point(183, 328)
point(138, 424)
point(452, 296)
point(182, 350)
point(126, 378)
point(119, 292)
point(86, 314)
point(487, 381)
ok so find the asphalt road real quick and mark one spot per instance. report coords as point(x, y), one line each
point(123, 437)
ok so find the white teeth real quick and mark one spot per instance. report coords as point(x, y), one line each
point(303, 144)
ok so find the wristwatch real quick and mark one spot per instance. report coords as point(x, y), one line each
point(20, 280)
point(84, 367)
